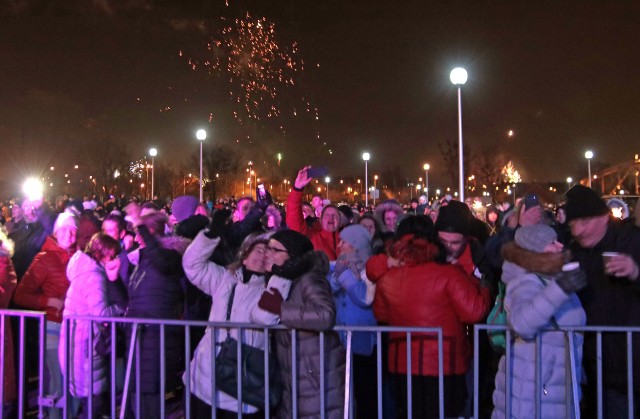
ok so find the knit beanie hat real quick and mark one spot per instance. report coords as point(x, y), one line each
point(583, 202)
point(455, 217)
point(296, 244)
point(358, 237)
point(65, 219)
point(535, 237)
point(184, 207)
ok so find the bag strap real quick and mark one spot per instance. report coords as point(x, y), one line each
point(554, 323)
point(230, 302)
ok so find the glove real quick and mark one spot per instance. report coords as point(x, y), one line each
point(218, 223)
point(263, 201)
point(271, 301)
point(572, 281)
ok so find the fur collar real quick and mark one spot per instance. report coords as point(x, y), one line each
point(545, 263)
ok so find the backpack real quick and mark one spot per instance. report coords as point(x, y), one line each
point(498, 317)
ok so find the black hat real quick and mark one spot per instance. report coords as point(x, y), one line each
point(296, 244)
point(455, 217)
point(584, 202)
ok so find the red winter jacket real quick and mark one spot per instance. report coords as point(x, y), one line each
point(322, 240)
point(423, 293)
point(45, 278)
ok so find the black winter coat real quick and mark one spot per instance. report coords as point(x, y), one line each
point(155, 292)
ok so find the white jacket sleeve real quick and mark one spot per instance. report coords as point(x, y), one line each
point(203, 273)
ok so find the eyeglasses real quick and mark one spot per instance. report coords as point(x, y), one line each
point(273, 249)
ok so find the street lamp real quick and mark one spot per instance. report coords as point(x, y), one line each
point(458, 77)
point(327, 180)
point(375, 182)
point(201, 135)
point(366, 157)
point(153, 153)
point(569, 181)
point(588, 155)
point(426, 168)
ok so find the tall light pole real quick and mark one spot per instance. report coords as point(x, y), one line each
point(458, 77)
point(375, 186)
point(153, 153)
point(201, 135)
point(327, 180)
point(366, 157)
point(426, 168)
point(588, 155)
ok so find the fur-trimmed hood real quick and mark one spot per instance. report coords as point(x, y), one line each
point(543, 263)
point(177, 243)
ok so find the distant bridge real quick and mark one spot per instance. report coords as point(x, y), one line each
point(621, 176)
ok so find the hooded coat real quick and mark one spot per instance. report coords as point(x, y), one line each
point(533, 302)
point(423, 293)
point(87, 296)
point(155, 292)
point(309, 308)
point(217, 281)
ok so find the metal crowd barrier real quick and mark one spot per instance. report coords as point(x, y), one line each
point(19, 349)
point(574, 395)
point(132, 372)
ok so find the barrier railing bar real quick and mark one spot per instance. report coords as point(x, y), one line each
point(379, 372)
point(163, 371)
point(599, 372)
point(409, 380)
point(294, 373)
point(630, 403)
point(322, 377)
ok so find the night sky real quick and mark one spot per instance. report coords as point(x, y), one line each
point(562, 75)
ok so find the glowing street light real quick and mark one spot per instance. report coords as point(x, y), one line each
point(366, 157)
point(201, 135)
point(153, 153)
point(588, 155)
point(426, 168)
point(458, 77)
point(33, 189)
point(327, 180)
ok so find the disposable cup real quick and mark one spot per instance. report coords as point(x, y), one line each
point(607, 257)
point(570, 266)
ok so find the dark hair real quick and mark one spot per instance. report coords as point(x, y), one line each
point(369, 216)
point(421, 226)
point(120, 222)
point(102, 245)
point(155, 222)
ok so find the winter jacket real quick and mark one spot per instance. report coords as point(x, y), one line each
point(611, 301)
point(324, 241)
point(8, 284)
point(534, 302)
point(155, 292)
point(46, 278)
point(309, 308)
point(217, 281)
point(423, 293)
point(87, 296)
point(353, 308)
point(29, 239)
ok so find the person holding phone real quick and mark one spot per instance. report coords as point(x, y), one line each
point(324, 235)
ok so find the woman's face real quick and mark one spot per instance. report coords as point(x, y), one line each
point(553, 247)
point(390, 220)
point(276, 255)
point(255, 261)
point(345, 248)
point(66, 237)
point(370, 225)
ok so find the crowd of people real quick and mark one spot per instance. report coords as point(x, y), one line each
point(311, 266)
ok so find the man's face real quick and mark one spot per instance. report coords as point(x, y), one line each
point(243, 208)
point(561, 216)
point(390, 220)
point(110, 228)
point(454, 243)
point(588, 231)
point(29, 212)
point(316, 202)
point(16, 212)
point(330, 220)
point(308, 211)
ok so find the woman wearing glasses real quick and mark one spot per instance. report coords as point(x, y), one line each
point(301, 297)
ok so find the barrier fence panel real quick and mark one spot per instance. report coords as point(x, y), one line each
point(18, 338)
point(626, 341)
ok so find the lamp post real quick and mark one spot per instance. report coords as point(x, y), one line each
point(375, 183)
point(201, 135)
point(588, 155)
point(184, 192)
point(569, 181)
point(366, 157)
point(153, 153)
point(458, 77)
point(250, 170)
point(426, 168)
point(327, 180)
